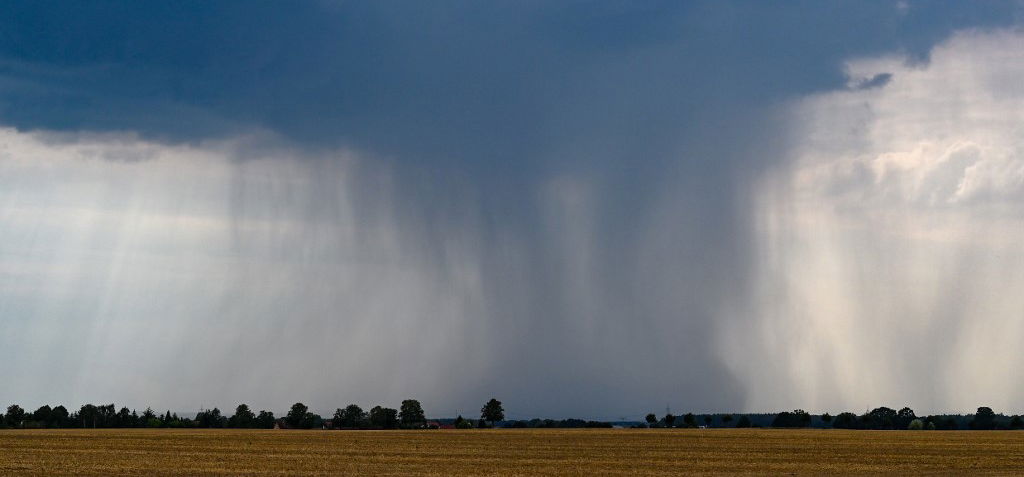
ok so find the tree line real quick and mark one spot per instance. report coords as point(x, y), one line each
point(881, 418)
point(410, 415)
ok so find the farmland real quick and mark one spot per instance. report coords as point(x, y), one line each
point(504, 452)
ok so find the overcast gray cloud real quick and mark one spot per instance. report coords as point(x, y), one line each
point(561, 205)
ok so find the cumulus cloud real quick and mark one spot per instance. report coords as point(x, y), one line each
point(889, 254)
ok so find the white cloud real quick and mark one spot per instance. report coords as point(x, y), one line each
point(889, 264)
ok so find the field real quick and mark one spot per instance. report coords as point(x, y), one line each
point(506, 452)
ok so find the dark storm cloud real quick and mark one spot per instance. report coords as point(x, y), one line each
point(666, 108)
point(474, 84)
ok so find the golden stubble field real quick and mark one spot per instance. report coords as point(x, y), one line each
point(507, 452)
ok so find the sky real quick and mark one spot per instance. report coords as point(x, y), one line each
point(589, 209)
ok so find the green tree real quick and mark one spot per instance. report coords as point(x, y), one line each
point(88, 415)
point(207, 418)
point(669, 420)
point(492, 411)
point(797, 418)
point(743, 422)
point(846, 420)
point(106, 415)
point(15, 416)
point(124, 418)
point(1016, 422)
point(461, 423)
point(411, 414)
point(690, 420)
point(352, 416)
point(296, 415)
point(651, 419)
point(916, 425)
point(59, 417)
point(265, 420)
point(727, 419)
point(311, 420)
point(243, 418)
point(383, 417)
point(904, 417)
point(881, 418)
point(43, 415)
point(984, 419)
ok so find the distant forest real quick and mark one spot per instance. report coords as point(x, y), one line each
point(410, 415)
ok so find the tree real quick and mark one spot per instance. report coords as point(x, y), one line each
point(904, 417)
point(463, 423)
point(383, 417)
point(826, 418)
point(943, 423)
point(88, 415)
point(15, 416)
point(208, 418)
point(105, 416)
point(265, 420)
point(296, 415)
point(350, 417)
point(1016, 422)
point(149, 414)
point(492, 411)
point(59, 417)
point(707, 421)
point(916, 425)
point(411, 414)
point(743, 422)
point(42, 415)
point(124, 418)
point(690, 420)
point(797, 418)
point(312, 420)
point(727, 419)
point(881, 418)
point(984, 419)
point(669, 420)
point(651, 419)
point(243, 418)
point(846, 420)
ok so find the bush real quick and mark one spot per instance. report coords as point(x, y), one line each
point(916, 425)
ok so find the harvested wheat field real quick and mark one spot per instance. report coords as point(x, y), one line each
point(506, 452)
